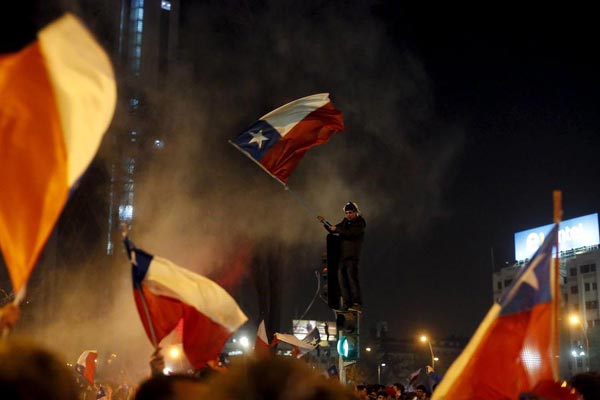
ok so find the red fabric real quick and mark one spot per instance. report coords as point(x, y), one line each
point(525, 344)
point(551, 390)
point(315, 129)
point(202, 338)
point(261, 346)
point(90, 367)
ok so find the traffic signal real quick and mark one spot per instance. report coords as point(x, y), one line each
point(348, 336)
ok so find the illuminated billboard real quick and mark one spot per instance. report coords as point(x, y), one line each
point(327, 330)
point(573, 234)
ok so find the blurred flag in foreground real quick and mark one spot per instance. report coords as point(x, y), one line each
point(278, 140)
point(261, 346)
point(166, 293)
point(58, 96)
point(86, 365)
point(514, 347)
point(101, 394)
point(300, 347)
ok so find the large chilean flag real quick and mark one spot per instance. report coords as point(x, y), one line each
point(513, 350)
point(166, 293)
point(57, 98)
point(278, 140)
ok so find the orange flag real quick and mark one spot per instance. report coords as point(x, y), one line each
point(58, 98)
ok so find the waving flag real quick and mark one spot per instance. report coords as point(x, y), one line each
point(301, 347)
point(101, 394)
point(86, 365)
point(58, 96)
point(261, 346)
point(514, 347)
point(278, 140)
point(166, 293)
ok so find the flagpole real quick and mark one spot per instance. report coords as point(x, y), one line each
point(124, 230)
point(148, 318)
point(296, 197)
point(557, 216)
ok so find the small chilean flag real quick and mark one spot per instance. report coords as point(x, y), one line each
point(86, 364)
point(261, 346)
point(57, 98)
point(167, 293)
point(278, 140)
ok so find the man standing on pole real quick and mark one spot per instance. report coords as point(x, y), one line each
point(351, 231)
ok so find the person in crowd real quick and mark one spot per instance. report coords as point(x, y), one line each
point(399, 389)
point(29, 371)
point(351, 231)
point(157, 363)
point(587, 384)
point(422, 392)
point(172, 387)
point(361, 392)
point(275, 378)
point(9, 315)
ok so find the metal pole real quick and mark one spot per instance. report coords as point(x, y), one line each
point(342, 370)
point(587, 347)
point(432, 356)
point(379, 373)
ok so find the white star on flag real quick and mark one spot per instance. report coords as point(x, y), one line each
point(258, 137)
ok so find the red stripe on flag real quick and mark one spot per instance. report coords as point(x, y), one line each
point(315, 129)
point(34, 161)
point(90, 367)
point(203, 339)
point(524, 343)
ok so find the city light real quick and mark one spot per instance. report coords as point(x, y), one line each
point(425, 339)
point(244, 342)
point(174, 352)
point(368, 349)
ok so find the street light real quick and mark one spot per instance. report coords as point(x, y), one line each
point(424, 339)
point(574, 320)
point(379, 365)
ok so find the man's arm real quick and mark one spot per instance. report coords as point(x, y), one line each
point(326, 224)
point(353, 230)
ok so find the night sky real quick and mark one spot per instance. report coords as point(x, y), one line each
point(521, 82)
point(460, 122)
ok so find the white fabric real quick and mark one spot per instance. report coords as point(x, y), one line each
point(168, 279)
point(284, 118)
point(84, 86)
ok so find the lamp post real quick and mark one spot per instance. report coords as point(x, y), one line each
point(424, 339)
point(379, 365)
point(574, 320)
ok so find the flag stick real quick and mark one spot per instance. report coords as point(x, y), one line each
point(124, 230)
point(557, 215)
point(296, 197)
point(148, 318)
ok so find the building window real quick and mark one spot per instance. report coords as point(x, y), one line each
point(594, 286)
point(584, 268)
point(574, 290)
point(507, 282)
point(587, 286)
point(573, 271)
point(499, 285)
point(593, 267)
point(591, 305)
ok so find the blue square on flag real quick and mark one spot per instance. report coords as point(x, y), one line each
point(258, 139)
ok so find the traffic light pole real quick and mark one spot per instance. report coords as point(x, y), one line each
point(348, 326)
